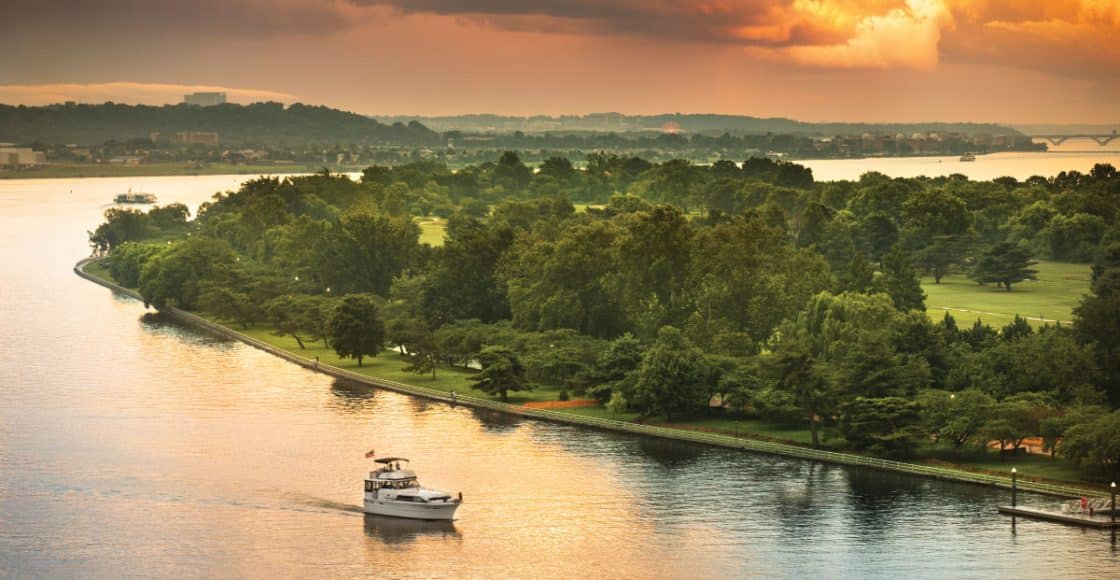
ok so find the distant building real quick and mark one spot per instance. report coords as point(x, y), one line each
point(126, 160)
point(206, 138)
point(204, 99)
point(20, 156)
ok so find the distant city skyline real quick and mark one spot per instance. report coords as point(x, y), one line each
point(1023, 62)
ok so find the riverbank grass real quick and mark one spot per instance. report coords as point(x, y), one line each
point(390, 365)
point(1051, 298)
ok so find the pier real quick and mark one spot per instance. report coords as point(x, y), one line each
point(1076, 519)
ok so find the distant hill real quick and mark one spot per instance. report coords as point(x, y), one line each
point(256, 124)
point(687, 123)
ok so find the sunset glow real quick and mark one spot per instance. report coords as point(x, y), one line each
point(731, 56)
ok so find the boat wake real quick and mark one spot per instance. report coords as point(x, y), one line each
point(323, 503)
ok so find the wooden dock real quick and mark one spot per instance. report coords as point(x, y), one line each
point(1085, 520)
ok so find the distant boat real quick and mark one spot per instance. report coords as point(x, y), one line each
point(968, 157)
point(138, 197)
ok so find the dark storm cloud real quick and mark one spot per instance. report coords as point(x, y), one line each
point(147, 18)
point(754, 22)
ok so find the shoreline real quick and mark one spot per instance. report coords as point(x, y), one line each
point(67, 170)
point(99, 170)
point(726, 441)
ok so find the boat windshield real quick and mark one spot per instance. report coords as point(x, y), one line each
point(400, 483)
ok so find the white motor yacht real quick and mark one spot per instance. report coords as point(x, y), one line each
point(393, 490)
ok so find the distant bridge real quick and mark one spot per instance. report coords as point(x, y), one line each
point(1101, 140)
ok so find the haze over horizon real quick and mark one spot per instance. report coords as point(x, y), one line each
point(1026, 62)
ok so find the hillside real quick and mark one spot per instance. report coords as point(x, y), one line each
point(688, 123)
point(255, 124)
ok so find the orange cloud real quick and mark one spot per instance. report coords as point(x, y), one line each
point(904, 37)
point(1064, 37)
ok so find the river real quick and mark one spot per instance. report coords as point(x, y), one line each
point(134, 447)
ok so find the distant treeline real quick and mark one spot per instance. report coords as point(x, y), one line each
point(689, 123)
point(271, 125)
point(257, 124)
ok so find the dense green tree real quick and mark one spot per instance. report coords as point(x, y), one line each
point(120, 226)
point(356, 328)
point(1074, 237)
point(840, 347)
point(1094, 442)
point(745, 278)
point(170, 217)
point(174, 276)
point(859, 275)
point(956, 417)
point(128, 259)
point(1097, 320)
point(501, 372)
point(943, 253)
point(363, 252)
point(460, 341)
point(511, 171)
point(653, 265)
point(1016, 418)
point(615, 369)
point(296, 315)
point(226, 304)
point(879, 234)
point(1005, 265)
point(464, 279)
point(884, 425)
point(674, 376)
point(1053, 429)
point(900, 282)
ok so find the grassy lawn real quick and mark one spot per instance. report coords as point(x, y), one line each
point(389, 364)
point(99, 270)
point(581, 207)
point(1030, 467)
point(1052, 297)
point(600, 413)
point(432, 231)
point(743, 426)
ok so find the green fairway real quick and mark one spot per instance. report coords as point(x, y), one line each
point(1051, 298)
point(432, 231)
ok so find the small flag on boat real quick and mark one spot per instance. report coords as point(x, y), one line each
point(370, 453)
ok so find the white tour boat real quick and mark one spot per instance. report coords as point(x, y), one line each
point(138, 197)
point(394, 491)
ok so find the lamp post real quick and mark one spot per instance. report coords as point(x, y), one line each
point(1013, 488)
point(1112, 488)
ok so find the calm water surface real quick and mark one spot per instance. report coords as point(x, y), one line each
point(133, 447)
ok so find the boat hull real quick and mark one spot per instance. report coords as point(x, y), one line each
point(416, 511)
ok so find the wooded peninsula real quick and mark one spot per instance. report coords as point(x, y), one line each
point(677, 292)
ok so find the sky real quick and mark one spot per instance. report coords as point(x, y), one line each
point(1009, 61)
